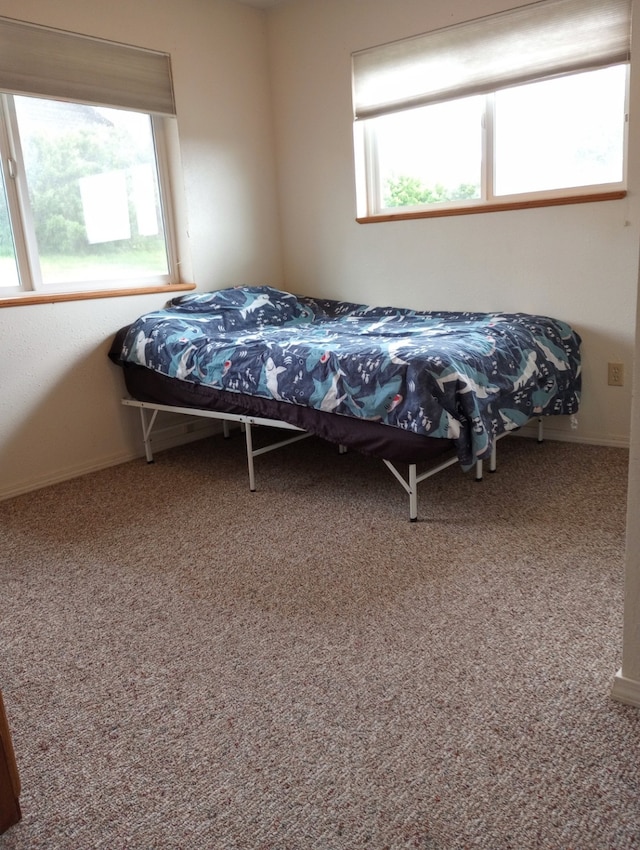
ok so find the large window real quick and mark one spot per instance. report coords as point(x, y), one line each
point(526, 107)
point(84, 203)
point(82, 198)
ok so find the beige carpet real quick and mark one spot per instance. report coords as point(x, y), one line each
point(186, 664)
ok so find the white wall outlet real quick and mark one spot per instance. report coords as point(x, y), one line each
point(616, 374)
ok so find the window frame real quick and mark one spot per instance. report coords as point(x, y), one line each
point(53, 64)
point(30, 285)
point(530, 43)
point(370, 208)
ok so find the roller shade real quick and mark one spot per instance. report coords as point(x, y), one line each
point(55, 64)
point(533, 42)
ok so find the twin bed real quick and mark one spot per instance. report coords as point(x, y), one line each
point(414, 388)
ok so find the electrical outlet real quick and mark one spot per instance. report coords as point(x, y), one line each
point(616, 374)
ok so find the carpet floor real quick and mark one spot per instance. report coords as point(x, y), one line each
point(186, 664)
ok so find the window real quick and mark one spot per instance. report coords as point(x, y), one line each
point(82, 198)
point(522, 108)
point(84, 204)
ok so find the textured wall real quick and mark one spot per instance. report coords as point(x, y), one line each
point(59, 395)
point(576, 262)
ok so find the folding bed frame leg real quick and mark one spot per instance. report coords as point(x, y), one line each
point(410, 486)
point(146, 432)
point(493, 462)
point(413, 493)
point(252, 476)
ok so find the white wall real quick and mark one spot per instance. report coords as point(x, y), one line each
point(626, 684)
point(59, 395)
point(576, 262)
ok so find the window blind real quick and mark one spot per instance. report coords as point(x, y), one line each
point(532, 42)
point(52, 63)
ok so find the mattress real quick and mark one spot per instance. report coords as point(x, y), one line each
point(388, 381)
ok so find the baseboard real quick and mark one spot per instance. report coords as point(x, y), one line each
point(197, 429)
point(563, 436)
point(625, 690)
point(163, 438)
point(186, 432)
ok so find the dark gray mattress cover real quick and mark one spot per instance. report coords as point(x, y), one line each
point(369, 438)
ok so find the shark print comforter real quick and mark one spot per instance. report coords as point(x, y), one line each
point(467, 377)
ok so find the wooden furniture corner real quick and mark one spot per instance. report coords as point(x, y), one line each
point(9, 778)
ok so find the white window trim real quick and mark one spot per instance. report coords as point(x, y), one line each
point(84, 69)
point(25, 242)
point(368, 189)
point(403, 74)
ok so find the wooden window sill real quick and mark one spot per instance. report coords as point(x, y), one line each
point(494, 206)
point(86, 295)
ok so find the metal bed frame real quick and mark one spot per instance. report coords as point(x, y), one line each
point(149, 413)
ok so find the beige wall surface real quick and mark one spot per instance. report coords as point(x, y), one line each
point(60, 411)
point(578, 263)
point(627, 688)
point(265, 126)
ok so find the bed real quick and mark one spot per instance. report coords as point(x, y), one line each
point(417, 388)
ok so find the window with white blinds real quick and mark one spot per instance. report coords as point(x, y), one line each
point(545, 65)
point(84, 197)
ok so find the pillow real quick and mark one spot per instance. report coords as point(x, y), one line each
point(246, 307)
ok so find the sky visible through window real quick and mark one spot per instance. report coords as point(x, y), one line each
point(92, 178)
point(553, 134)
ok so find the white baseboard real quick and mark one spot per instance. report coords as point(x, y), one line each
point(626, 690)
point(163, 438)
point(197, 429)
point(563, 436)
point(187, 432)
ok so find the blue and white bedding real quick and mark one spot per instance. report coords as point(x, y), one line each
point(467, 377)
